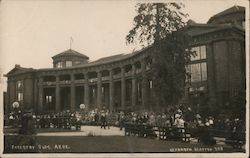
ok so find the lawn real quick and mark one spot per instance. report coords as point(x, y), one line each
point(101, 144)
point(41, 130)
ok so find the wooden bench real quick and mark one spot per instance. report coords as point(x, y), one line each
point(174, 133)
point(139, 130)
point(236, 140)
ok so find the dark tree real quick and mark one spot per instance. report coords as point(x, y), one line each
point(162, 25)
point(154, 21)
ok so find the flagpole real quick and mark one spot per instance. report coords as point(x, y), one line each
point(70, 42)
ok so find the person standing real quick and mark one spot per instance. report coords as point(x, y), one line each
point(121, 120)
point(108, 118)
point(103, 119)
point(96, 117)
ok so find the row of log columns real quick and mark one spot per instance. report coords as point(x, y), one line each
point(99, 89)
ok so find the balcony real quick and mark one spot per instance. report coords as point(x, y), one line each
point(92, 80)
point(65, 82)
point(138, 71)
point(80, 81)
point(117, 76)
point(128, 74)
point(48, 83)
point(106, 78)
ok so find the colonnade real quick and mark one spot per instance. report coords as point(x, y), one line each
point(98, 81)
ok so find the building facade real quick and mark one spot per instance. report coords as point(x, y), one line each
point(123, 81)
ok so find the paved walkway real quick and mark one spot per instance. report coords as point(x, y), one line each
point(88, 131)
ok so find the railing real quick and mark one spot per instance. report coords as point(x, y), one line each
point(105, 78)
point(137, 71)
point(65, 82)
point(128, 74)
point(93, 80)
point(203, 134)
point(80, 81)
point(117, 76)
point(48, 83)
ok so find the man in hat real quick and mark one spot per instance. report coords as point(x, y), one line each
point(103, 119)
point(27, 124)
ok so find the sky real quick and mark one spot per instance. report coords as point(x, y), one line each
point(31, 32)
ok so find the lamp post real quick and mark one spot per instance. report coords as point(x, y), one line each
point(82, 108)
point(16, 113)
point(15, 105)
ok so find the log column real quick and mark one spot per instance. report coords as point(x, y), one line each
point(134, 87)
point(72, 92)
point(111, 90)
point(40, 94)
point(144, 84)
point(86, 89)
point(99, 89)
point(58, 97)
point(123, 86)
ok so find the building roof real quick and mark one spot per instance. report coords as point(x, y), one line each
point(19, 70)
point(70, 52)
point(104, 60)
point(231, 10)
point(196, 28)
point(115, 58)
point(111, 58)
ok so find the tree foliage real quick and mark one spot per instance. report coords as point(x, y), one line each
point(161, 25)
point(154, 21)
point(168, 71)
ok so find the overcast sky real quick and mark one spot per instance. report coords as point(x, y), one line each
point(33, 31)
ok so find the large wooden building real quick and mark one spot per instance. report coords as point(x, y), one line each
point(123, 81)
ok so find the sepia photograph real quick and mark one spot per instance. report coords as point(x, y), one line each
point(110, 78)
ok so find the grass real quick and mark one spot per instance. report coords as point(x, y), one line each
point(41, 130)
point(100, 144)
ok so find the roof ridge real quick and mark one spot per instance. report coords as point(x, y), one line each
point(235, 8)
point(70, 52)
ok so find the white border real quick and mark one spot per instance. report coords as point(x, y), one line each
point(198, 155)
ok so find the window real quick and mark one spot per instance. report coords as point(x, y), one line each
point(77, 62)
point(48, 99)
point(188, 72)
point(59, 65)
point(68, 63)
point(195, 73)
point(204, 71)
point(19, 96)
point(199, 72)
point(19, 84)
point(19, 90)
point(150, 84)
point(102, 90)
point(243, 24)
point(200, 53)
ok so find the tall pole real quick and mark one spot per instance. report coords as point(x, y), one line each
point(70, 42)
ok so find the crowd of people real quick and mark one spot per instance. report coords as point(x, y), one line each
point(176, 117)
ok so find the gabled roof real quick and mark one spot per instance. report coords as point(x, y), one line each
point(231, 10)
point(196, 28)
point(70, 52)
point(111, 58)
point(18, 70)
